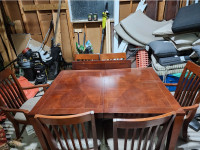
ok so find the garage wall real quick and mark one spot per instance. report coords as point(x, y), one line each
point(36, 22)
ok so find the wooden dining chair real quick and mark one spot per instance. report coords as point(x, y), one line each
point(59, 132)
point(13, 101)
point(187, 93)
point(143, 133)
point(86, 57)
point(113, 56)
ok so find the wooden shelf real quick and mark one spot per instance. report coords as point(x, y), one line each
point(86, 21)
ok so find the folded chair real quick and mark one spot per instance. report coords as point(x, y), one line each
point(143, 133)
point(13, 101)
point(59, 132)
point(187, 93)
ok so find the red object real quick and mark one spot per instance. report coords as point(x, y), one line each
point(25, 83)
point(25, 50)
point(142, 59)
point(3, 139)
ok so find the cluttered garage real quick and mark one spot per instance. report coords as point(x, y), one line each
point(99, 74)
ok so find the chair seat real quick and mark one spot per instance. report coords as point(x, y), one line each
point(90, 143)
point(28, 105)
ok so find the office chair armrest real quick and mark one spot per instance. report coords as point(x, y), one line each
point(170, 84)
point(45, 86)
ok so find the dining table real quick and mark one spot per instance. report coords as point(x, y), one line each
point(109, 93)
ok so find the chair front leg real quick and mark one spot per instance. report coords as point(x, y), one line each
point(17, 130)
point(186, 122)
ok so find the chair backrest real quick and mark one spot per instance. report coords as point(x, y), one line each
point(113, 56)
point(86, 57)
point(58, 130)
point(142, 133)
point(188, 86)
point(11, 93)
point(111, 64)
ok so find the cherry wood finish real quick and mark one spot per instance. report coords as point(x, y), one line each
point(113, 56)
point(86, 57)
point(108, 93)
point(144, 129)
point(61, 125)
point(12, 97)
point(112, 64)
point(187, 93)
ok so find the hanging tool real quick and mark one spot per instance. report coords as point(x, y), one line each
point(105, 16)
point(53, 40)
point(55, 50)
point(80, 48)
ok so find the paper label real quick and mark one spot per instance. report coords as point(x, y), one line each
point(182, 58)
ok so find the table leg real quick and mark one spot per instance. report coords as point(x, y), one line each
point(39, 134)
point(175, 131)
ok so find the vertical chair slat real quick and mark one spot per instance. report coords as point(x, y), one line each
point(64, 135)
point(188, 80)
point(58, 136)
point(166, 132)
point(140, 138)
point(125, 140)
point(189, 91)
point(182, 87)
point(18, 87)
point(153, 137)
point(147, 138)
point(14, 93)
point(16, 90)
point(84, 134)
point(7, 95)
point(115, 135)
point(78, 136)
point(180, 83)
point(193, 91)
point(194, 94)
point(71, 136)
point(14, 99)
point(5, 99)
point(46, 131)
point(133, 138)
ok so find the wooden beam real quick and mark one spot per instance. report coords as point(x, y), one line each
point(131, 6)
point(39, 19)
point(43, 7)
point(10, 51)
point(23, 15)
point(71, 30)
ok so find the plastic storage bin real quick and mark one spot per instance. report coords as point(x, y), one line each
point(171, 79)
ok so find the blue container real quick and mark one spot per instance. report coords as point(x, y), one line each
point(171, 79)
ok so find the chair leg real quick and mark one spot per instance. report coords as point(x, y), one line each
point(185, 131)
point(17, 130)
point(22, 131)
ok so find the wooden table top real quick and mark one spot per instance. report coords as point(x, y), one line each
point(127, 90)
